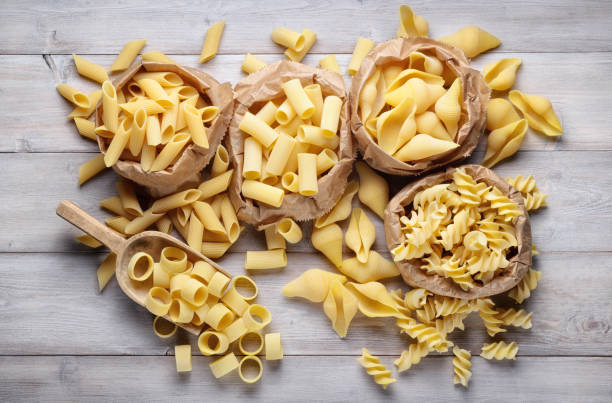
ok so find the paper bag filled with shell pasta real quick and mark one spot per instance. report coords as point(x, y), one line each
point(290, 143)
point(416, 105)
point(461, 233)
point(159, 124)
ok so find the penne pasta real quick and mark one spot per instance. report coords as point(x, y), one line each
point(230, 220)
point(309, 40)
point(89, 69)
point(79, 112)
point(290, 230)
point(117, 144)
point(266, 259)
point(257, 128)
point(211, 42)
point(110, 107)
point(307, 174)
point(313, 91)
point(156, 92)
point(147, 156)
point(330, 116)
point(113, 204)
point(165, 79)
point(143, 222)
point(220, 162)
point(153, 131)
point(127, 55)
point(196, 126)
point(195, 232)
point(298, 99)
point(129, 201)
point(170, 151)
point(89, 241)
point(106, 270)
point(137, 135)
point(330, 63)
point(117, 223)
point(164, 225)
point(263, 193)
point(156, 56)
point(91, 168)
point(215, 185)
point(208, 217)
point(288, 38)
point(278, 157)
point(86, 128)
point(73, 95)
point(362, 48)
point(176, 200)
point(251, 64)
point(181, 123)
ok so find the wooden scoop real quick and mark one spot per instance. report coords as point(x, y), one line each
point(151, 242)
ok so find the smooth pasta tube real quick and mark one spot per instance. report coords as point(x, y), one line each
point(161, 278)
point(297, 97)
point(212, 343)
point(251, 64)
point(274, 348)
point(158, 301)
point(326, 159)
point(127, 55)
point(224, 365)
point(362, 48)
point(211, 42)
point(140, 267)
point(110, 107)
point(173, 260)
point(290, 181)
point(203, 271)
point(196, 126)
point(265, 259)
point(240, 282)
point(235, 330)
point(244, 362)
point(263, 193)
point(316, 97)
point(176, 284)
point(215, 185)
point(91, 168)
point(252, 159)
point(194, 292)
point(330, 62)
point(220, 162)
point(89, 69)
point(217, 284)
point(289, 230)
point(219, 317)
point(235, 302)
point(307, 174)
point(314, 135)
point(278, 157)
point(117, 144)
point(267, 113)
point(180, 311)
point(257, 128)
point(331, 115)
point(309, 40)
point(73, 95)
point(170, 151)
point(285, 114)
point(273, 238)
point(288, 38)
point(182, 356)
point(163, 328)
point(257, 317)
point(249, 336)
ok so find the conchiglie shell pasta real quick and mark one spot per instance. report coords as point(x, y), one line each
point(328, 240)
point(360, 235)
point(374, 300)
point(538, 111)
point(396, 126)
point(373, 189)
point(424, 146)
point(500, 75)
point(448, 107)
point(312, 285)
point(472, 40)
point(374, 268)
point(500, 113)
point(428, 64)
point(340, 306)
point(429, 123)
point(504, 142)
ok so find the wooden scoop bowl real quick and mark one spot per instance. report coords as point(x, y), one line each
point(151, 242)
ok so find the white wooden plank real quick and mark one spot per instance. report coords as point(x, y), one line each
point(50, 305)
point(578, 217)
point(300, 379)
point(34, 27)
point(582, 108)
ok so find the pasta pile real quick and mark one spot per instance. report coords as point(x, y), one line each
point(461, 230)
point(410, 110)
point(289, 143)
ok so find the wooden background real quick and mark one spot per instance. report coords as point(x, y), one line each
point(62, 340)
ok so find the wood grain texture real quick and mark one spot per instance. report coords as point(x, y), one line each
point(35, 27)
point(50, 305)
point(32, 80)
point(305, 379)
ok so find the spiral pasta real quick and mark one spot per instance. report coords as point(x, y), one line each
point(374, 368)
point(499, 351)
point(523, 289)
point(517, 318)
point(461, 366)
point(412, 356)
point(489, 316)
point(428, 335)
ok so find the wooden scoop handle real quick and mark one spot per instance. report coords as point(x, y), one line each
point(79, 218)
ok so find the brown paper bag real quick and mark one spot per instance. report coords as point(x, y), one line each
point(185, 172)
point(414, 276)
point(259, 88)
point(471, 125)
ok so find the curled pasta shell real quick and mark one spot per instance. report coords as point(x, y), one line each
point(328, 240)
point(360, 235)
point(448, 107)
point(504, 142)
point(500, 113)
point(428, 64)
point(368, 95)
point(340, 306)
point(374, 300)
point(396, 126)
point(538, 111)
point(313, 285)
point(373, 189)
point(424, 146)
point(411, 24)
point(500, 75)
point(472, 40)
point(405, 75)
point(374, 268)
point(429, 123)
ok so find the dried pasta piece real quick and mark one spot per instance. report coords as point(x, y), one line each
point(411, 24)
point(163, 328)
point(89, 241)
point(523, 185)
point(342, 209)
point(91, 168)
point(362, 48)
point(504, 142)
point(396, 126)
point(265, 259)
point(288, 38)
point(244, 362)
point(309, 40)
point(127, 55)
point(448, 107)
point(428, 335)
point(90, 69)
point(425, 88)
point(538, 111)
point(374, 300)
point(489, 316)
point(423, 146)
point(461, 366)
point(312, 285)
point(360, 235)
point(106, 270)
point(73, 95)
point(211, 42)
point(374, 368)
point(259, 343)
point(257, 317)
point(429, 123)
point(182, 356)
point(447, 324)
point(472, 40)
point(472, 193)
point(500, 113)
point(375, 268)
point(513, 317)
point(412, 356)
point(252, 63)
point(218, 317)
point(505, 207)
point(523, 289)
point(328, 240)
point(500, 75)
point(224, 365)
point(535, 201)
point(212, 343)
point(499, 350)
point(274, 348)
point(340, 306)
point(156, 56)
point(416, 298)
point(373, 189)
point(274, 240)
point(140, 266)
point(423, 62)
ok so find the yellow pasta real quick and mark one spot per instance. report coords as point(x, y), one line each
point(182, 355)
point(113, 204)
point(328, 240)
point(252, 159)
point(117, 144)
point(224, 365)
point(373, 189)
point(73, 95)
point(263, 193)
point(289, 38)
point(374, 268)
point(342, 209)
point(106, 270)
point(147, 156)
point(165, 79)
point(215, 185)
point(150, 106)
point(274, 348)
point(472, 40)
point(217, 284)
point(330, 63)
point(129, 201)
point(424, 146)
point(340, 306)
point(156, 92)
point(234, 301)
point(89, 241)
point(127, 55)
point(251, 64)
point(289, 230)
point(428, 122)
point(309, 40)
point(307, 174)
point(362, 48)
point(89, 69)
point(314, 135)
point(374, 300)
point(378, 371)
point(176, 200)
point(286, 115)
point(312, 285)
point(411, 24)
point(196, 126)
point(91, 168)
point(158, 301)
point(257, 128)
point(245, 282)
point(194, 292)
point(170, 151)
point(230, 220)
point(140, 267)
point(360, 235)
point(326, 160)
point(499, 350)
point(500, 113)
point(208, 218)
point(143, 222)
point(176, 284)
point(244, 362)
point(235, 330)
point(538, 111)
point(173, 260)
point(215, 250)
point(137, 134)
point(156, 56)
point(265, 259)
point(331, 115)
point(278, 157)
point(219, 317)
point(212, 343)
point(163, 328)
point(267, 113)
point(211, 42)
point(252, 335)
point(448, 107)
point(202, 271)
point(504, 142)
point(257, 317)
point(428, 64)
point(161, 278)
point(117, 223)
point(220, 162)
point(500, 75)
point(273, 239)
point(79, 112)
point(396, 126)
point(297, 97)
point(168, 120)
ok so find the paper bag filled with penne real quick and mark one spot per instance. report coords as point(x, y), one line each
point(416, 105)
point(290, 143)
point(461, 233)
point(159, 124)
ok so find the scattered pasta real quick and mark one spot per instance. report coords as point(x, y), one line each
point(378, 371)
